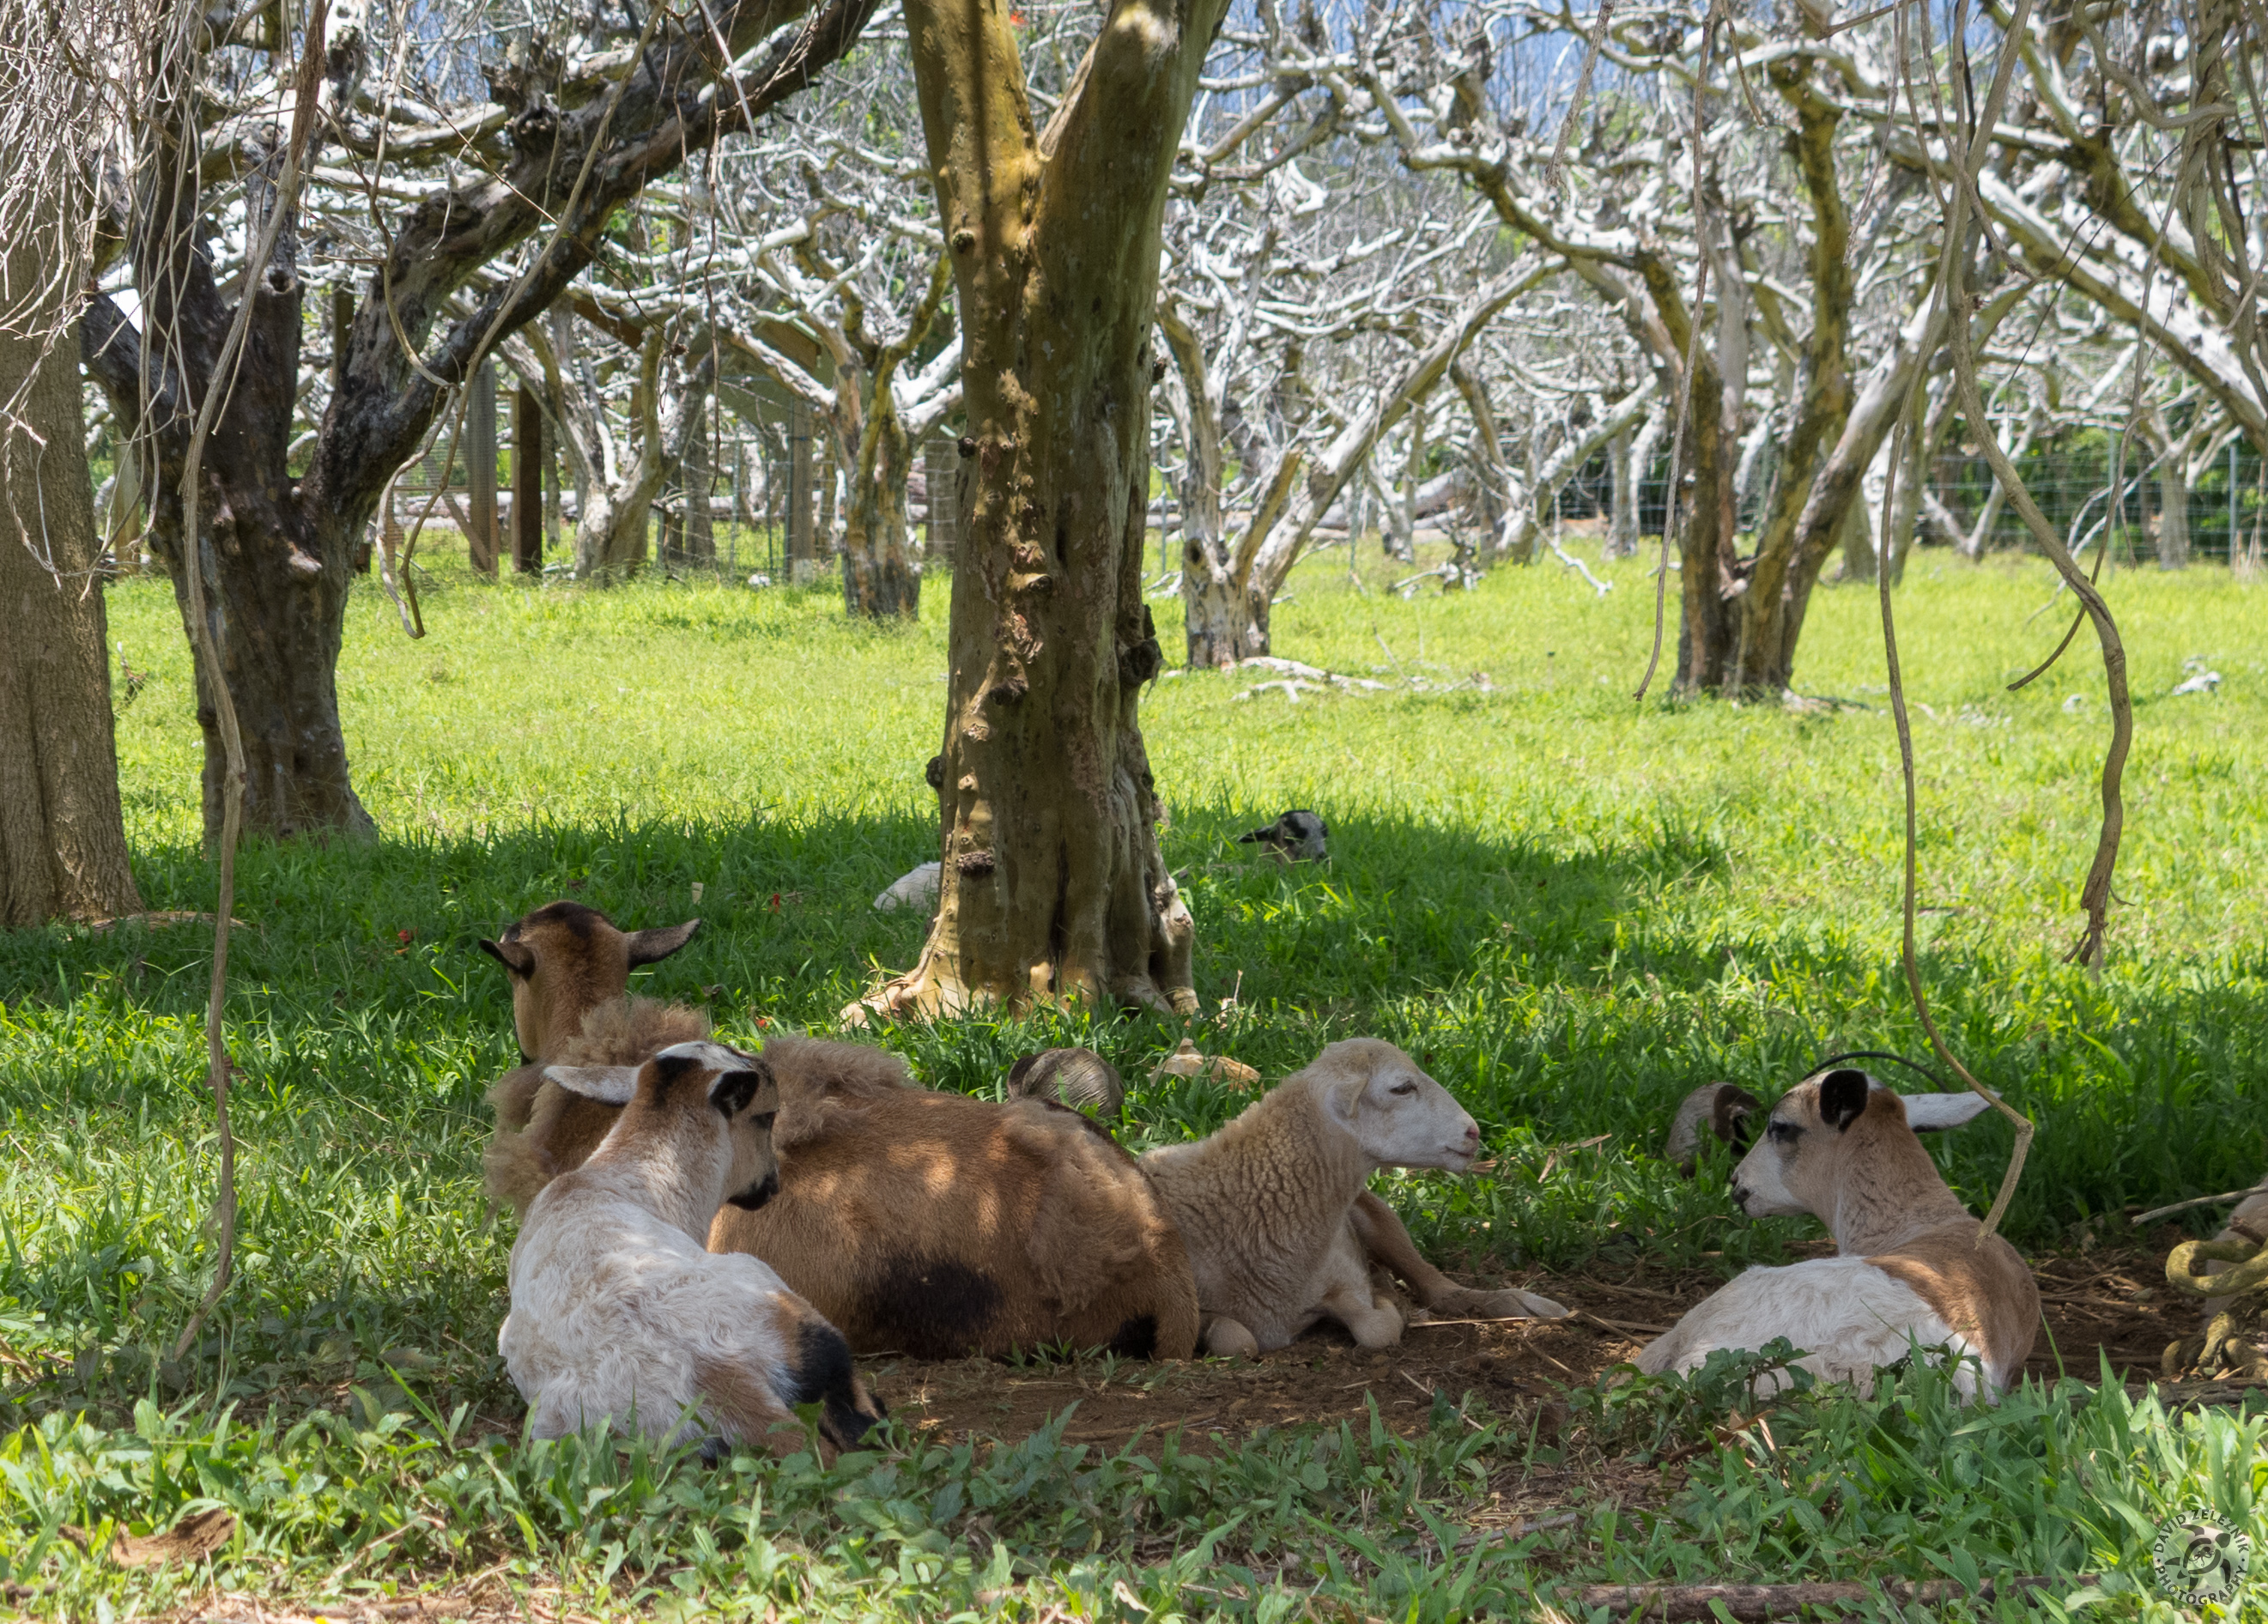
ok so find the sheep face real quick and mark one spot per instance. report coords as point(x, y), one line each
point(712, 1104)
point(1401, 1117)
point(565, 958)
point(1819, 1131)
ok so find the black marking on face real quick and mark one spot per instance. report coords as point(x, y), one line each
point(668, 1068)
point(930, 1308)
point(757, 1194)
point(822, 1374)
point(1843, 1098)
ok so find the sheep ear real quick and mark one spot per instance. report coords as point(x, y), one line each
point(1929, 1114)
point(611, 1085)
point(730, 1091)
point(510, 955)
point(1344, 1097)
point(652, 946)
point(1843, 1098)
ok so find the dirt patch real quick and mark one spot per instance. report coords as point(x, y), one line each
point(2100, 1305)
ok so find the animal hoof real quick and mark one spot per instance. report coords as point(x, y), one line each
point(1507, 1304)
point(1228, 1340)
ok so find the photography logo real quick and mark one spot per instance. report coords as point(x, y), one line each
point(2199, 1562)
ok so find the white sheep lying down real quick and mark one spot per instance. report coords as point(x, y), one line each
point(620, 1313)
point(1276, 1216)
point(1909, 1273)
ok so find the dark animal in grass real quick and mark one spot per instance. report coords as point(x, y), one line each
point(571, 969)
point(1725, 1111)
point(1077, 1078)
point(1295, 837)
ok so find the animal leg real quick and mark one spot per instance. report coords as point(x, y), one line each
point(1229, 1338)
point(1386, 1244)
point(1375, 1320)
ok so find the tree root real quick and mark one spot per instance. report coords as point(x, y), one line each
point(2230, 1347)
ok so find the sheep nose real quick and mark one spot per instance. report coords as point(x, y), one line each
point(1472, 1133)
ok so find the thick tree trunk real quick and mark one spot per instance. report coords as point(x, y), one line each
point(276, 566)
point(63, 842)
point(881, 579)
point(1777, 581)
point(1053, 886)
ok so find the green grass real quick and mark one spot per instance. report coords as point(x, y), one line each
point(1574, 908)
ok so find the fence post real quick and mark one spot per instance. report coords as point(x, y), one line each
point(695, 480)
point(939, 456)
point(481, 466)
point(528, 460)
point(802, 554)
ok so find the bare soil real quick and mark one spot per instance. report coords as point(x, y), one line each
point(2100, 1305)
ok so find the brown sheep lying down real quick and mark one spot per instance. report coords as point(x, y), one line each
point(939, 1226)
point(895, 1202)
point(931, 1224)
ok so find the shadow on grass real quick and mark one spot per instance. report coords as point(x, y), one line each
point(1561, 996)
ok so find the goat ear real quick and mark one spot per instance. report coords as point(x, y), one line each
point(1843, 1098)
point(730, 1091)
point(510, 955)
point(1929, 1114)
point(652, 946)
point(611, 1085)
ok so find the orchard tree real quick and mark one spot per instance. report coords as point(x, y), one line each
point(1053, 884)
point(509, 195)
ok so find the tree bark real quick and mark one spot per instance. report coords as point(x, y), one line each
point(62, 840)
point(527, 465)
point(1053, 886)
point(1220, 625)
point(880, 578)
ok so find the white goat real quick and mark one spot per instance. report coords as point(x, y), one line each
point(1274, 1210)
point(618, 1310)
point(1910, 1270)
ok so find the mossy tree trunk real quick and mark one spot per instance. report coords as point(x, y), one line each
point(1053, 884)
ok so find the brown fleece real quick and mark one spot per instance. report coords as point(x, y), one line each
point(940, 1226)
point(1954, 1274)
point(543, 1130)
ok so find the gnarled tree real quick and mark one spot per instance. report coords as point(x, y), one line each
point(1053, 884)
point(557, 148)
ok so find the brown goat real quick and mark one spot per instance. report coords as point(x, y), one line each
point(571, 969)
